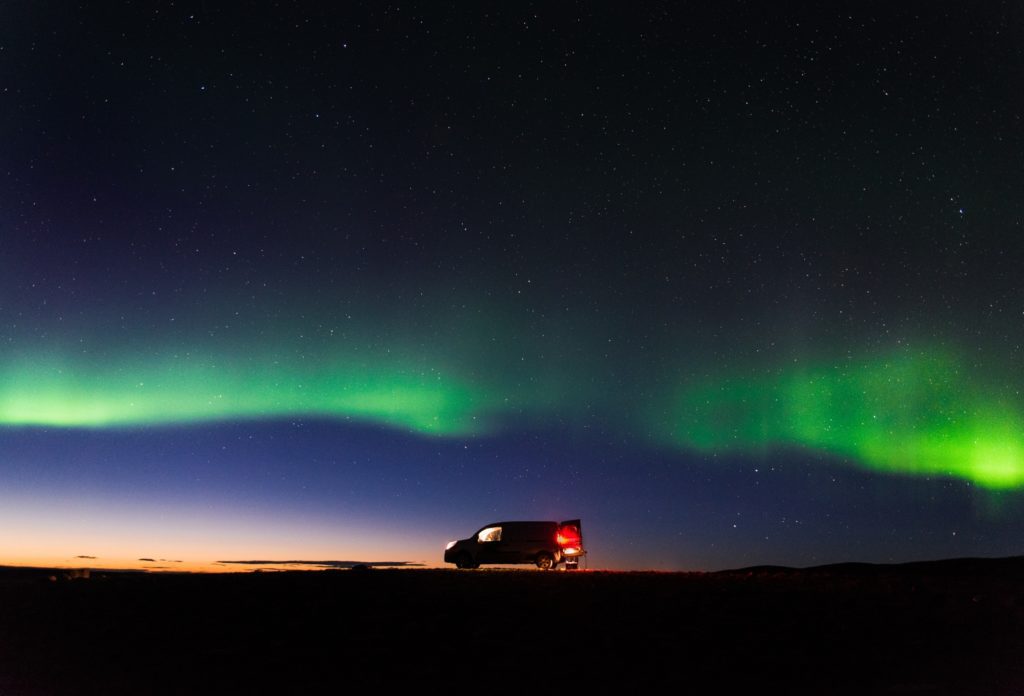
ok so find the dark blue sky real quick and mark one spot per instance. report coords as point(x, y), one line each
point(734, 285)
point(360, 487)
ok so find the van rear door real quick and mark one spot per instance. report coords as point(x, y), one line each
point(570, 536)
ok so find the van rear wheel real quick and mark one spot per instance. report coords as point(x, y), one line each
point(545, 561)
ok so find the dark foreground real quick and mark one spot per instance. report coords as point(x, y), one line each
point(953, 627)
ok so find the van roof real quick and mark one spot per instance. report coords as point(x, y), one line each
point(507, 522)
point(501, 524)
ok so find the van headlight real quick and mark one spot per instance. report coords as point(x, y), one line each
point(450, 544)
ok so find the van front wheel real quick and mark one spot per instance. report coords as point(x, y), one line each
point(465, 562)
point(545, 561)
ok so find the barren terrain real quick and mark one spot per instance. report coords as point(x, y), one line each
point(951, 627)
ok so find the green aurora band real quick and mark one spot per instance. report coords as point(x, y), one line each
point(915, 414)
point(56, 393)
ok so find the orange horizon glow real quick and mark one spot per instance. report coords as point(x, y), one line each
point(118, 535)
point(120, 565)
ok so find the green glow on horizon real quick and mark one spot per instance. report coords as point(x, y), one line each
point(52, 392)
point(908, 414)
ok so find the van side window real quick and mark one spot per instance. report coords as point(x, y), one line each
point(489, 534)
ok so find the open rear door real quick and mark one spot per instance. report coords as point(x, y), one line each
point(570, 539)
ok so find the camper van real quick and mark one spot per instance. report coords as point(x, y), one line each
point(545, 544)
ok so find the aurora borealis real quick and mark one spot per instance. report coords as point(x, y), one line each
point(912, 414)
point(181, 393)
point(752, 276)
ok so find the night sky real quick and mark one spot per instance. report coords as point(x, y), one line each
point(734, 284)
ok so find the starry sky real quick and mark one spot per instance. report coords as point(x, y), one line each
point(733, 284)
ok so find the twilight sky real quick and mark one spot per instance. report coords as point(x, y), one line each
point(734, 285)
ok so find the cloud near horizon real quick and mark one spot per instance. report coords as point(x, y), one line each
point(328, 564)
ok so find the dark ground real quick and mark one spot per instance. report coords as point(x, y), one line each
point(951, 627)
